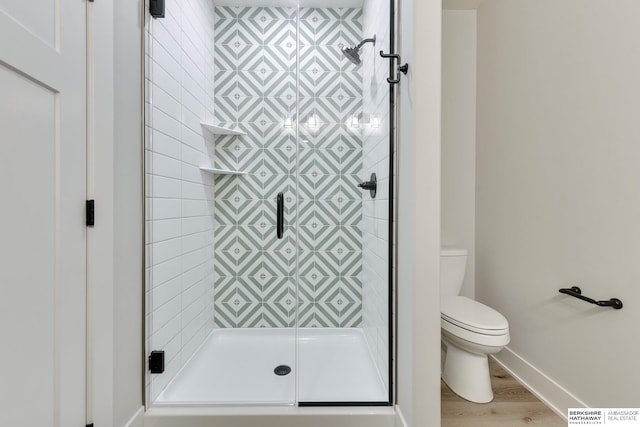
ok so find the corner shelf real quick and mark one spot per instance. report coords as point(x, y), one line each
point(217, 171)
point(219, 130)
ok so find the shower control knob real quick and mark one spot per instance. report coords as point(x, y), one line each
point(371, 185)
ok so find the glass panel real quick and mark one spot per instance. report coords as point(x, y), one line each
point(344, 259)
point(250, 307)
point(222, 284)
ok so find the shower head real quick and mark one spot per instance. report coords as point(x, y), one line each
point(353, 53)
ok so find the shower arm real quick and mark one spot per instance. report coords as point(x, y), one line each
point(363, 42)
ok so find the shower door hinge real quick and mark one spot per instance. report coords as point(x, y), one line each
point(156, 362)
point(156, 8)
point(90, 213)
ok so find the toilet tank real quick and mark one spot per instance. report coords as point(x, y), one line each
point(453, 263)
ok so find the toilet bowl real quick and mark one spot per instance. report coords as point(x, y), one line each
point(470, 331)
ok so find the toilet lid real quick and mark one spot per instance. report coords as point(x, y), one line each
point(472, 315)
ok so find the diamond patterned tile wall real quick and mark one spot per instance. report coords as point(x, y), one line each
point(256, 72)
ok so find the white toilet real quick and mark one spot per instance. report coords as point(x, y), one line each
point(470, 331)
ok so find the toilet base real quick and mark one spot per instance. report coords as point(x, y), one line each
point(467, 374)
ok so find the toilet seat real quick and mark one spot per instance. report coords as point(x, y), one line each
point(473, 322)
point(475, 338)
point(472, 316)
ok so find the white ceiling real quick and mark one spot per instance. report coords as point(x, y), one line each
point(292, 3)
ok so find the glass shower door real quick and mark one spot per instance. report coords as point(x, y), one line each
point(268, 250)
point(343, 267)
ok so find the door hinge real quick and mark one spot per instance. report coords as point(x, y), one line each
point(156, 362)
point(156, 8)
point(90, 212)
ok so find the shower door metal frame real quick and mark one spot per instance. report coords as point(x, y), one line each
point(392, 170)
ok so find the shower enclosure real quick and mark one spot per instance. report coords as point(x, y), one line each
point(269, 238)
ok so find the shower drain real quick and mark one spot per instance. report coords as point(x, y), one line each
point(282, 370)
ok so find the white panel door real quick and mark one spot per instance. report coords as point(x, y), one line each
point(42, 193)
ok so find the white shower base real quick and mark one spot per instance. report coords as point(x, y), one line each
point(235, 366)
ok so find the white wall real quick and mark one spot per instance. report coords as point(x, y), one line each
point(558, 173)
point(459, 136)
point(418, 293)
point(179, 195)
point(128, 223)
point(115, 387)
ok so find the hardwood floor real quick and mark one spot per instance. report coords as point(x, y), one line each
point(512, 406)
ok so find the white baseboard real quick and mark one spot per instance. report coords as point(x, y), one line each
point(400, 421)
point(544, 388)
point(271, 416)
point(137, 420)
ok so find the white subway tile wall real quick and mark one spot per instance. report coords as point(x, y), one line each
point(180, 200)
point(375, 146)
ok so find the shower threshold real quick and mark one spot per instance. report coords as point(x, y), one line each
point(246, 367)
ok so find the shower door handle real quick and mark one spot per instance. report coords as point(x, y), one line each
point(280, 216)
point(399, 69)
